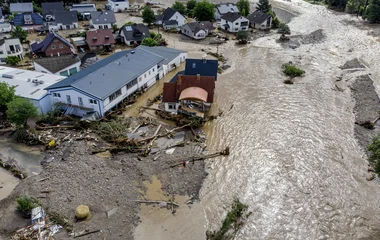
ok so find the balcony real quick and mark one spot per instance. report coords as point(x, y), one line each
point(16, 52)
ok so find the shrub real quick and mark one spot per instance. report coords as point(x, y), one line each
point(150, 42)
point(288, 81)
point(374, 157)
point(26, 204)
point(19, 110)
point(292, 71)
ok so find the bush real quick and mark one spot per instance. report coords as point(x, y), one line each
point(292, 71)
point(12, 60)
point(150, 42)
point(19, 110)
point(374, 157)
point(242, 36)
point(26, 204)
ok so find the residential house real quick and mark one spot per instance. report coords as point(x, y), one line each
point(102, 19)
point(28, 21)
point(260, 20)
point(21, 7)
point(79, 43)
point(197, 30)
point(100, 39)
point(5, 27)
point(30, 85)
point(10, 47)
point(65, 65)
point(117, 5)
point(50, 8)
point(170, 18)
point(172, 57)
point(223, 8)
point(234, 22)
point(189, 95)
point(134, 34)
point(66, 20)
point(84, 9)
point(204, 67)
point(52, 45)
point(103, 85)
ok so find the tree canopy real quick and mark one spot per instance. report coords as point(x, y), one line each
point(150, 42)
point(204, 11)
point(244, 7)
point(7, 94)
point(242, 36)
point(148, 16)
point(12, 60)
point(19, 110)
point(178, 6)
point(283, 29)
point(19, 33)
point(190, 5)
point(372, 13)
point(264, 6)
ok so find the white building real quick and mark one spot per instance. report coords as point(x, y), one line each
point(10, 47)
point(117, 5)
point(103, 85)
point(102, 19)
point(168, 17)
point(260, 20)
point(30, 85)
point(5, 27)
point(197, 30)
point(65, 65)
point(223, 8)
point(233, 22)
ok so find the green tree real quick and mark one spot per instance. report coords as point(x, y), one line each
point(37, 8)
point(264, 6)
point(148, 16)
point(19, 110)
point(204, 11)
point(372, 13)
point(150, 42)
point(337, 4)
point(7, 94)
point(178, 6)
point(275, 21)
point(12, 60)
point(190, 5)
point(128, 23)
point(283, 29)
point(26, 204)
point(292, 71)
point(115, 28)
point(19, 33)
point(242, 36)
point(374, 148)
point(244, 7)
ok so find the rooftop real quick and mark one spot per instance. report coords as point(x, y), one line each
point(41, 46)
point(110, 74)
point(224, 8)
point(204, 67)
point(135, 32)
point(231, 16)
point(167, 53)
point(83, 8)
point(26, 85)
point(55, 64)
point(99, 37)
point(197, 26)
point(258, 17)
point(49, 8)
point(66, 17)
point(21, 7)
point(102, 17)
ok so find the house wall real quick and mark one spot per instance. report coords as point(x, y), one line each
point(177, 62)
point(67, 27)
point(264, 25)
point(179, 18)
point(101, 26)
point(100, 47)
point(171, 107)
point(7, 50)
point(59, 48)
point(166, 27)
point(63, 72)
point(116, 6)
point(236, 25)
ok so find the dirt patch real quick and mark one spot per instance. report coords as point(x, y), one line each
point(367, 108)
point(352, 64)
point(77, 177)
point(312, 38)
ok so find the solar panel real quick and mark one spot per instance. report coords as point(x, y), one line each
point(128, 28)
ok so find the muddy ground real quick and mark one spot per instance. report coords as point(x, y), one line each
point(77, 177)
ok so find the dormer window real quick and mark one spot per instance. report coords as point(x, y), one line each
point(94, 38)
point(107, 37)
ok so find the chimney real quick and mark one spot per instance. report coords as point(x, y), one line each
point(198, 77)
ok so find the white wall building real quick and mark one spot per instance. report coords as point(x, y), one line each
point(170, 15)
point(65, 65)
point(223, 8)
point(5, 27)
point(10, 47)
point(102, 19)
point(117, 5)
point(30, 85)
point(233, 22)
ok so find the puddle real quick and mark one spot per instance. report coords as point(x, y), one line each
point(160, 224)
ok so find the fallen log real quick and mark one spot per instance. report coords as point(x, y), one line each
point(165, 134)
point(225, 152)
point(156, 202)
point(114, 150)
point(87, 233)
point(43, 179)
point(47, 191)
point(377, 119)
point(54, 127)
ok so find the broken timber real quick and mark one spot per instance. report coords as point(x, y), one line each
point(156, 202)
point(225, 152)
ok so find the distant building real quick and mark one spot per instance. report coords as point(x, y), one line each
point(260, 20)
point(204, 67)
point(30, 85)
point(100, 39)
point(5, 27)
point(65, 65)
point(223, 8)
point(10, 47)
point(52, 45)
point(134, 34)
point(84, 9)
point(50, 8)
point(170, 18)
point(28, 21)
point(234, 22)
point(117, 5)
point(66, 20)
point(197, 30)
point(21, 7)
point(1, 15)
point(102, 19)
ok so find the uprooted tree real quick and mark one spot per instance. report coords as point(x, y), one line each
point(283, 29)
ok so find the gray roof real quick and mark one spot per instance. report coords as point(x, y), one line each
point(49, 8)
point(135, 32)
point(226, 7)
point(66, 17)
point(21, 7)
point(83, 8)
point(167, 53)
point(102, 17)
point(231, 17)
point(258, 17)
point(56, 64)
point(110, 74)
point(197, 26)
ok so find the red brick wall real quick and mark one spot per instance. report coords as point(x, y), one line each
point(62, 51)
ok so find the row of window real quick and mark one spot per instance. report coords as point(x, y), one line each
point(101, 27)
point(53, 46)
point(140, 78)
point(80, 100)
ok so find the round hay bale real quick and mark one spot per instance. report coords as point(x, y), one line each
point(82, 211)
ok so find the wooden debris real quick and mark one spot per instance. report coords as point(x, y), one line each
point(47, 191)
point(55, 127)
point(225, 152)
point(43, 179)
point(156, 202)
point(87, 233)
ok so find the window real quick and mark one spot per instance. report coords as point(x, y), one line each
point(171, 106)
point(145, 75)
point(1, 52)
point(237, 23)
point(153, 70)
point(73, 70)
point(52, 46)
point(105, 26)
point(149, 72)
point(68, 98)
point(56, 95)
point(60, 45)
point(100, 26)
point(93, 102)
point(131, 84)
point(114, 95)
point(140, 78)
point(194, 65)
point(64, 73)
point(80, 101)
point(236, 29)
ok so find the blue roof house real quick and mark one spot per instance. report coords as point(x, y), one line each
point(203, 67)
point(28, 20)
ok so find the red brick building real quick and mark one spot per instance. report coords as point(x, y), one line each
point(52, 45)
point(100, 39)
